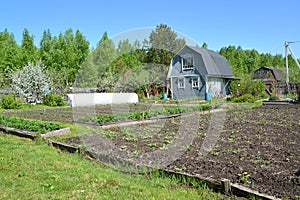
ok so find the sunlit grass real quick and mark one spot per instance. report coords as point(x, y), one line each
point(34, 170)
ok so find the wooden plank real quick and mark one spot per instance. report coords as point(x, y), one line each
point(244, 191)
point(59, 132)
point(62, 146)
point(219, 186)
point(17, 132)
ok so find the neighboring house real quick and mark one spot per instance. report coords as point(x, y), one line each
point(273, 79)
point(195, 72)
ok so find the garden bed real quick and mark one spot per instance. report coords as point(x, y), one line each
point(257, 148)
point(104, 113)
point(31, 125)
point(31, 128)
point(44, 114)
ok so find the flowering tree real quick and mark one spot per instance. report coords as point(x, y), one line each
point(31, 81)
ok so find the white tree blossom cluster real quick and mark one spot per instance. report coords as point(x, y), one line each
point(31, 81)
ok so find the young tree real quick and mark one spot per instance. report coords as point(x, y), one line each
point(58, 80)
point(124, 47)
point(159, 56)
point(133, 80)
point(46, 48)
point(87, 76)
point(28, 49)
point(10, 57)
point(30, 81)
point(64, 54)
point(104, 54)
point(164, 44)
point(108, 82)
point(251, 60)
point(98, 69)
point(144, 79)
point(266, 59)
point(163, 37)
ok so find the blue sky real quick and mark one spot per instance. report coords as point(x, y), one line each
point(263, 25)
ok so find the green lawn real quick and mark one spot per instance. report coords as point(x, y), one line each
point(34, 170)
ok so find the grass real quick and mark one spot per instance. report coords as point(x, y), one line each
point(34, 170)
point(76, 130)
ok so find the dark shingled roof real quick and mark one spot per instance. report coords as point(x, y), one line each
point(278, 74)
point(215, 64)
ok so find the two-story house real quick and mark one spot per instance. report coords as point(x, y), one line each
point(198, 73)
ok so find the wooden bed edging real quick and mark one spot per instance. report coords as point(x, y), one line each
point(20, 133)
point(154, 119)
point(224, 186)
point(34, 135)
point(64, 147)
point(210, 183)
point(244, 191)
point(62, 131)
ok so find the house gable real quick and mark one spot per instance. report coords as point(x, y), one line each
point(177, 69)
point(206, 62)
point(269, 74)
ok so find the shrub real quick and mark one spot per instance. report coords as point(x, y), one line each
point(243, 98)
point(10, 102)
point(54, 100)
point(248, 86)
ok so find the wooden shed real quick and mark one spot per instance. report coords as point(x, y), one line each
point(273, 78)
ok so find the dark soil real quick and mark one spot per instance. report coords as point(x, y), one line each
point(67, 114)
point(258, 147)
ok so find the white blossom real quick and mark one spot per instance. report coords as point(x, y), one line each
point(30, 81)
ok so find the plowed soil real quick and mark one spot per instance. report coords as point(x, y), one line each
point(258, 147)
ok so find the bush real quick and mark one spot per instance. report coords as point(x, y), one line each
point(243, 98)
point(10, 102)
point(248, 86)
point(54, 100)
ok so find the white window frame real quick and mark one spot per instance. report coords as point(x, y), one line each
point(181, 85)
point(184, 65)
point(197, 82)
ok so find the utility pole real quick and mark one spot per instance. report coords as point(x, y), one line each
point(286, 44)
point(287, 47)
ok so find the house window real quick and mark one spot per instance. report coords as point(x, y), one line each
point(181, 83)
point(195, 82)
point(187, 62)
